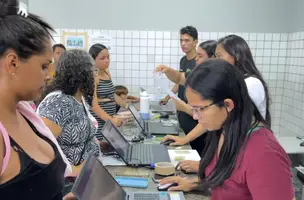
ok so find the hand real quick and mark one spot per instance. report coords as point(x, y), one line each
point(161, 69)
point(189, 166)
point(184, 184)
point(69, 196)
point(133, 99)
point(164, 101)
point(116, 121)
point(179, 141)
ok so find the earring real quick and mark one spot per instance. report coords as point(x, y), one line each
point(13, 74)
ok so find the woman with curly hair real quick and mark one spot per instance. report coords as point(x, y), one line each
point(65, 108)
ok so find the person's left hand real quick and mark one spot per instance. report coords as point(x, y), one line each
point(69, 196)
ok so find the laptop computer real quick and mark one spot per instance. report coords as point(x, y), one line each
point(135, 155)
point(169, 108)
point(96, 183)
point(155, 128)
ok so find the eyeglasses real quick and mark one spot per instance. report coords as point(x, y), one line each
point(198, 110)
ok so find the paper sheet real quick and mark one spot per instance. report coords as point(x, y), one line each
point(183, 154)
point(172, 95)
point(111, 161)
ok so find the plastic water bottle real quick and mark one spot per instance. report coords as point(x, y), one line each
point(158, 94)
point(144, 105)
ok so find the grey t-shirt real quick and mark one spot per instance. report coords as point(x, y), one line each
point(77, 128)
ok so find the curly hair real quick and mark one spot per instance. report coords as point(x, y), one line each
point(74, 72)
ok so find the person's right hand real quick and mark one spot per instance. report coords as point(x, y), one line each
point(189, 166)
point(116, 121)
point(184, 184)
point(161, 69)
point(163, 101)
point(178, 141)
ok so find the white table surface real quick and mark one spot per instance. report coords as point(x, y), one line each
point(291, 145)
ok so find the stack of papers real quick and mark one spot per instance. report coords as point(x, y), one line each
point(179, 155)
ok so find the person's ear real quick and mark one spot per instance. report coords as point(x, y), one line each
point(11, 62)
point(229, 104)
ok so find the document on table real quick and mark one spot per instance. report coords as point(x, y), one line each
point(183, 154)
point(112, 161)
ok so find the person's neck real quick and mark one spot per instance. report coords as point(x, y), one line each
point(78, 96)
point(8, 103)
point(191, 54)
point(102, 72)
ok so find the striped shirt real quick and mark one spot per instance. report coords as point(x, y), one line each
point(105, 90)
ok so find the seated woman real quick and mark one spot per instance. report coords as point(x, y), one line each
point(32, 165)
point(65, 108)
point(236, 51)
point(242, 159)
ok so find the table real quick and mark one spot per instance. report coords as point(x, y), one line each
point(291, 145)
point(152, 186)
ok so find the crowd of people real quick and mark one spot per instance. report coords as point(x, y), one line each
point(224, 112)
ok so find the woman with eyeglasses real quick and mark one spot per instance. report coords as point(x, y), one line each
point(65, 107)
point(236, 51)
point(242, 159)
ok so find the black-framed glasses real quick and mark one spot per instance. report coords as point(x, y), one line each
point(198, 110)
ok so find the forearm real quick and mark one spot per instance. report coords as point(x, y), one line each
point(196, 132)
point(173, 75)
point(186, 108)
point(100, 112)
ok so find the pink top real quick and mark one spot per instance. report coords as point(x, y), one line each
point(264, 173)
point(27, 111)
point(7, 148)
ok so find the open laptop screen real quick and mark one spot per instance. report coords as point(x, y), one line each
point(116, 139)
point(95, 182)
point(137, 116)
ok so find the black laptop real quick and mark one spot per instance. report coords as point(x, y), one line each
point(155, 128)
point(96, 183)
point(135, 155)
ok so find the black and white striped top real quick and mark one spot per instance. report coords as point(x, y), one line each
point(105, 90)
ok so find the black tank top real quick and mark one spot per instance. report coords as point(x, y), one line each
point(35, 181)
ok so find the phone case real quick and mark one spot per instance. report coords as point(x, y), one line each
point(134, 182)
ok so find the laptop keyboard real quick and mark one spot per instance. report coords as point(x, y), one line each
point(143, 152)
point(146, 196)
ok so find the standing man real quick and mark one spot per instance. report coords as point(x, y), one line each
point(188, 43)
point(58, 50)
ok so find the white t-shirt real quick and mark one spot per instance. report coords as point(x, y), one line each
point(257, 94)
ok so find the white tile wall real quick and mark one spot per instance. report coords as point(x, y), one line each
point(136, 53)
point(292, 116)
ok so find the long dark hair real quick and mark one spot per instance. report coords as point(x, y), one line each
point(96, 49)
point(217, 80)
point(27, 36)
point(209, 46)
point(74, 72)
point(238, 48)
